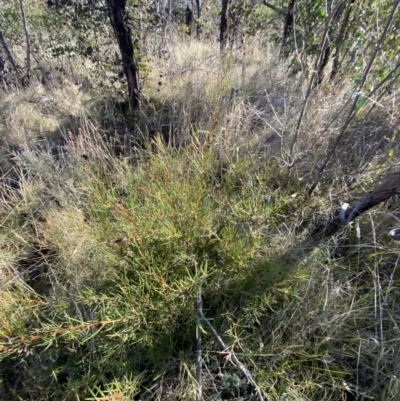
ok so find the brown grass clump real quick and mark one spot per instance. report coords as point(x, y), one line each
point(32, 117)
point(76, 245)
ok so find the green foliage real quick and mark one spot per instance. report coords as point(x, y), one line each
point(357, 37)
point(74, 31)
point(57, 30)
point(360, 104)
point(128, 263)
point(10, 18)
point(133, 245)
point(118, 251)
point(259, 20)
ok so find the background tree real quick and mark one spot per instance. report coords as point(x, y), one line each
point(198, 24)
point(223, 28)
point(337, 30)
point(118, 17)
point(288, 27)
point(28, 45)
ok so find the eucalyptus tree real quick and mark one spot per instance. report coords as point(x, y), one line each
point(117, 13)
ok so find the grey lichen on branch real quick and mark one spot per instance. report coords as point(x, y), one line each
point(347, 214)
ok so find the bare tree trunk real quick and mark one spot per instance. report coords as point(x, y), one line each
point(27, 77)
point(188, 20)
point(198, 4)
point(117, 16)
point(223, 28)
point(288, 28)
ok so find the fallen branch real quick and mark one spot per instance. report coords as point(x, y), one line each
point(389, 188)
point(347, 213)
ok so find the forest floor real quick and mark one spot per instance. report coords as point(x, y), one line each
point(166, 253)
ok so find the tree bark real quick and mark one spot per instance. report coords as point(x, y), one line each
point(198, 4)
point(117, 16)
point(223, 28)
point(288, 28)
point(188, 20)
point(27, 77)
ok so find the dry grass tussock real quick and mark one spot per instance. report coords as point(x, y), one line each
point(228, 96)
point(102, 255)
point(38, 114)
point(249, 100)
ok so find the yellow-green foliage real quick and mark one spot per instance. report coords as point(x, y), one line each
point(130, 252)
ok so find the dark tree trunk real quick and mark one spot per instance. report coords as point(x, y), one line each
point(223, 28)
point(188, 20)
point(324, 62)
point(288, 28)
point(27, 78)
point(117, 16)
point(198, 4)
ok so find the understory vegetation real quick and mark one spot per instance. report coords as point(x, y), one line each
point(134, 243)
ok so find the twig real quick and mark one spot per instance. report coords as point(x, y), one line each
point(28, 44)
point(199, 305)
point(212, 379)
point(232, 354)
point(272, 7)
